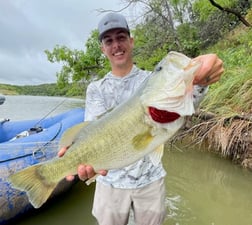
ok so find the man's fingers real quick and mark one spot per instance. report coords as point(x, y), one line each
point(70, 178)
point(82, 172)
point(87, 172)
point(210, 70)
point(103, 172)
point(62, 151)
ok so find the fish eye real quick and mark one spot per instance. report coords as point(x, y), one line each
point(159, 68)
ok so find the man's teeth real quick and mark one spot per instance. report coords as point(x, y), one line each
point(118, 53)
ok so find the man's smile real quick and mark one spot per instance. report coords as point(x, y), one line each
point(119, 53)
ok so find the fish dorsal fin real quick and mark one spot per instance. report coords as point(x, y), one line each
point(142, 140)
point(156, 156)
point(70, 134)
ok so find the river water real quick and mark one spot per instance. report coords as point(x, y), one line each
point(202, 188)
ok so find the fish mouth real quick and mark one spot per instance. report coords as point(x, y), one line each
point(162, 116)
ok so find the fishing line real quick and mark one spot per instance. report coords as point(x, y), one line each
point(50, 112)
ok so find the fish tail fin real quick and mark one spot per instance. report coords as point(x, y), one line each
point(37, 188)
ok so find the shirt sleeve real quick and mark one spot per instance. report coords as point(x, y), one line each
point(94, 105)
point(199, 93)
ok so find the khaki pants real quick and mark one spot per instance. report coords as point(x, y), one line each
point(112, 205)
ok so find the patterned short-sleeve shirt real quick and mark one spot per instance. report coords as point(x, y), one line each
point(105, 94)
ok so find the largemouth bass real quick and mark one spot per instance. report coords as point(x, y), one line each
point(135, 128)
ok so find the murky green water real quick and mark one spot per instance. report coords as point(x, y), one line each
point(202, 189)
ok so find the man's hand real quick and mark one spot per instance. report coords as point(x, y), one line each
point(210, 70)
point(84, 171)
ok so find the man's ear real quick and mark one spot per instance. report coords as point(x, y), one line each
point(103, 49)
point(132, 41)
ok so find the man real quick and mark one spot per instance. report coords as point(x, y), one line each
point(140, 186)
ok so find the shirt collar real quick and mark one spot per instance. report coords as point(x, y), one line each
point(132, 73)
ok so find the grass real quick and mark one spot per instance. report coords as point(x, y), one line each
point(232, 94)
point(229, 132)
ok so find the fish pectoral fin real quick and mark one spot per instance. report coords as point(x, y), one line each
point(92, 179)
point(70, 134)
point(142, 140)
point(157, 155)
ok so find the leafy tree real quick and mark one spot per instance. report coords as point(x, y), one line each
point(180, 25)
point(205, 8)
point(166, 25)
point(77, 64)
point(189, 38)
point(232, 11)
point(212, 24)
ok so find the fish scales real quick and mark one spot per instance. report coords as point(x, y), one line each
point(104, 136)
point(123, 135)
point(100, 138)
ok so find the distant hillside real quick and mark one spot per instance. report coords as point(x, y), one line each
point(7, 89)
point(42, 90)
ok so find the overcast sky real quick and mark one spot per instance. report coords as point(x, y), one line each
point(28, 27)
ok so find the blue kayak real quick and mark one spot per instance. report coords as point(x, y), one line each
point(25, 143)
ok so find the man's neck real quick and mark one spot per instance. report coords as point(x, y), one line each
point(121, 71)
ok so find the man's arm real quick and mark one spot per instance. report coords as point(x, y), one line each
point(94, 107)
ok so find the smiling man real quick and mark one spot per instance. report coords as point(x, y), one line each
point(140, 186)
point(117, 44)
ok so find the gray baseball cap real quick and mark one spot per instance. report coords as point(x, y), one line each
point(111, 21)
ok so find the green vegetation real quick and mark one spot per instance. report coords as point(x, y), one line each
point(164, 27)
point(232, 95)
point(44, 90)
point(9, 89)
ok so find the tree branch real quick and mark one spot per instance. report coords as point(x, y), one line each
point(237, 14)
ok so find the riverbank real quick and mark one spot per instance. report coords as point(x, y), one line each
point(224, 121)
point(229, 137)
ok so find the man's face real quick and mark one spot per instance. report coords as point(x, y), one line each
point(117, 46)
